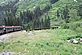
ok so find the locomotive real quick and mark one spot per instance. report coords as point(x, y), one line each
point(8, 29)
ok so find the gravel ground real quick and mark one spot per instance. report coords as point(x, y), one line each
point(7, 53)
point(5, 37)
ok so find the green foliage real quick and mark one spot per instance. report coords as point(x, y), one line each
point(11, 20)
point(33, 20)
point(79, 29)
point(38, 11)
point(40, 14)
point(53, 1)
point(76, 26)
point(58, 10)
point(44, 42)
point(80, 10)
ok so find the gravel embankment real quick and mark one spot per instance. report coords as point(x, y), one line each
point(5, 37)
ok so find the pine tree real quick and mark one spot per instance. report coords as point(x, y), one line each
point(66, 14)
point(42, 23)
point(80, 11)
point(53, 1)
point(58, 14)
point(48, 21)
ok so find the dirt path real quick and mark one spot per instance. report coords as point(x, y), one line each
point(5, 37)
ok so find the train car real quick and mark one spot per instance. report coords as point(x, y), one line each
point(8, 29)
point(16, 28)
point(1, 30)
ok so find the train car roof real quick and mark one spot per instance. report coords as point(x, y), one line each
point(1, 26)
point(9, 26)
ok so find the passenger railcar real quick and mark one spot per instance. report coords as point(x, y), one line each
point(1, 30)
point(8, 29)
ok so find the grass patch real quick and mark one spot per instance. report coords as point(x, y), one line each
point(44, 42)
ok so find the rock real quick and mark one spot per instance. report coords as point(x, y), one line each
point(80, 39)
point(24, 31)
point(68, 40)
point(30, 33)
point(7, 53)
point(75, 41)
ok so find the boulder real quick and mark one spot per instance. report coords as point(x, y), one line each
point(75, 41)
point(30, 33)
point(80, 39)
point(7, 53)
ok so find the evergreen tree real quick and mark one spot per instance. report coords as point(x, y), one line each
point(11, 20)
point(80, 11)
point(58, 14)
point(48, 21)
point(53, 1)
point(42, 23)
point(66, 14)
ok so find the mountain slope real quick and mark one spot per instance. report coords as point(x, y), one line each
point(73, 6)
point(6, 6)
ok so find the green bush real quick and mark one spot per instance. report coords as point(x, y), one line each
point(64, 26)
point(79, 29)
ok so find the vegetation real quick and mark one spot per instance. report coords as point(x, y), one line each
point(52, 42)
point(43, 15)
point(58, 11)
point(11, 20)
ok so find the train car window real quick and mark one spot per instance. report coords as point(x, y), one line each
point(1, 28)
point(4, 28)
point(8, 28)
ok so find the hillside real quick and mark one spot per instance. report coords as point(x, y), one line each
point(33, 9)
point(48, 27)
point(6, 6)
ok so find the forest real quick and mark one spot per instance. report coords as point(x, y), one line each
point(42, 17)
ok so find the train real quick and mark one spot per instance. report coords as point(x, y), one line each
point(8, 29)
